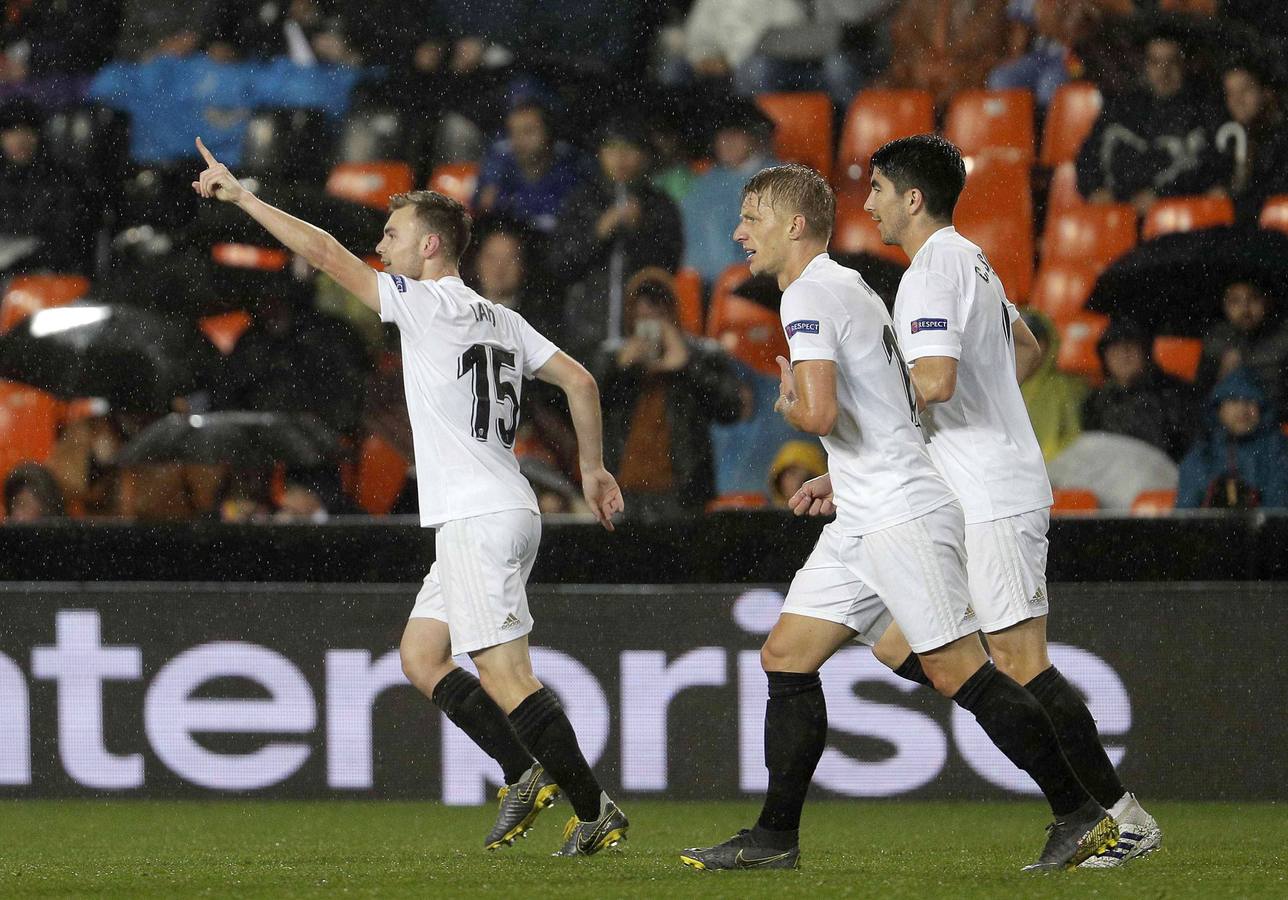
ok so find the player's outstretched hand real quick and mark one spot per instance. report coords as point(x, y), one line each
point(814, 498)
point(603, 495)
point(216, 181)
point(786, 386)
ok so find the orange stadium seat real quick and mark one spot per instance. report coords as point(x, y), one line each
point(752, 332)
point(802, 127)
point(370, 183)
point(457, 180)
point(855, 232)
point(737, 501)
point(1178, 356)
point(1274, 214)
point(27, 294)
point(225, 329)
point(878, 116)
point(1154, 503)
point(1070, 118)
point(1074, 500)
point(382, 471)
point(1094, 234)
point(725, 283)
point(28, 425)
point(1063, 192)
point(248, 256)
point(996, 212)
point(992, 122)
point(1186, 214)
point(1060, 290)
point(1079, 335)
point(688, 290)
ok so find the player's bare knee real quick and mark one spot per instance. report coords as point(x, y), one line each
point(777, 655)
point(422, 668)
point(1022, 663)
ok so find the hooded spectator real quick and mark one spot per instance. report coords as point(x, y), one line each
point(795, 463)
point(1242, 459)
point(1054, 399)
point(1138, 399)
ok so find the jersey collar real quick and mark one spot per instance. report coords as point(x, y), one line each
point(816, 261)
point(942, 234)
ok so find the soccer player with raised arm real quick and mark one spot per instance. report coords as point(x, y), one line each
point(895, 549)
point(969, 350)
point(464, 359)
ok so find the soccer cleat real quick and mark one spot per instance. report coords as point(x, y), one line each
point(1138, 834)
point(519, 804)
point(588, 838)
point(1083, 833)
point(741, 852)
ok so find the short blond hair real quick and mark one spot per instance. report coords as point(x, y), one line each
point(793, 189)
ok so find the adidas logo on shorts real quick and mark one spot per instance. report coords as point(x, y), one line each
point(511, 621)
point(1039, 596)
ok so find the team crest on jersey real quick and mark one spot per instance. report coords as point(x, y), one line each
point(401, 283)
point(929, 325)
point(802, 326)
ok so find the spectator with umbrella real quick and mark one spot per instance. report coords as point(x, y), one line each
point(1138, 399)
point(1251, 335)
point(1182, 285)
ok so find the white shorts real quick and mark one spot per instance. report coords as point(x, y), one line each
point(1006, 564)
point(478, 582)
point(914, 572)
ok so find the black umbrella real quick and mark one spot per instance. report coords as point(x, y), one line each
point(134, 358)
point(1174, 283)
point(242, 439)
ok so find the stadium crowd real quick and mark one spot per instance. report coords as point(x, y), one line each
point(602, 146)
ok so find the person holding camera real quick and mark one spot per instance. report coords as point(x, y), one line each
point(662, 390)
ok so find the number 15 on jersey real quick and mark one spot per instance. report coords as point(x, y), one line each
point(480, 361)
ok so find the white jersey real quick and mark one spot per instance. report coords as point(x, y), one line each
point(464, 359)
point(881, 473)
point(951, 303)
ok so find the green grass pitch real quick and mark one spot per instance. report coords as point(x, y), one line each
point(883, 850)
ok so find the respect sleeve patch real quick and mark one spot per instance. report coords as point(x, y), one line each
point(929, 325)
point(400, 283)
point(802, 326)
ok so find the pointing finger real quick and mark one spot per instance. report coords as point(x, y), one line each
point(206, 154)
point(784, 365)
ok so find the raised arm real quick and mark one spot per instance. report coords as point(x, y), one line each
point(600, 488)
point(317, 246)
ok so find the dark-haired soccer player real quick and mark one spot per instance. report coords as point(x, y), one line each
point(464, 359)
point(969, 351)
point(895, 549)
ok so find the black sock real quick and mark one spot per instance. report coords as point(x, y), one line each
point(463, 700)
point(795, 734)
point(1016, 723)
point(543, 726)
point(911, 669)
point(1079, 739)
